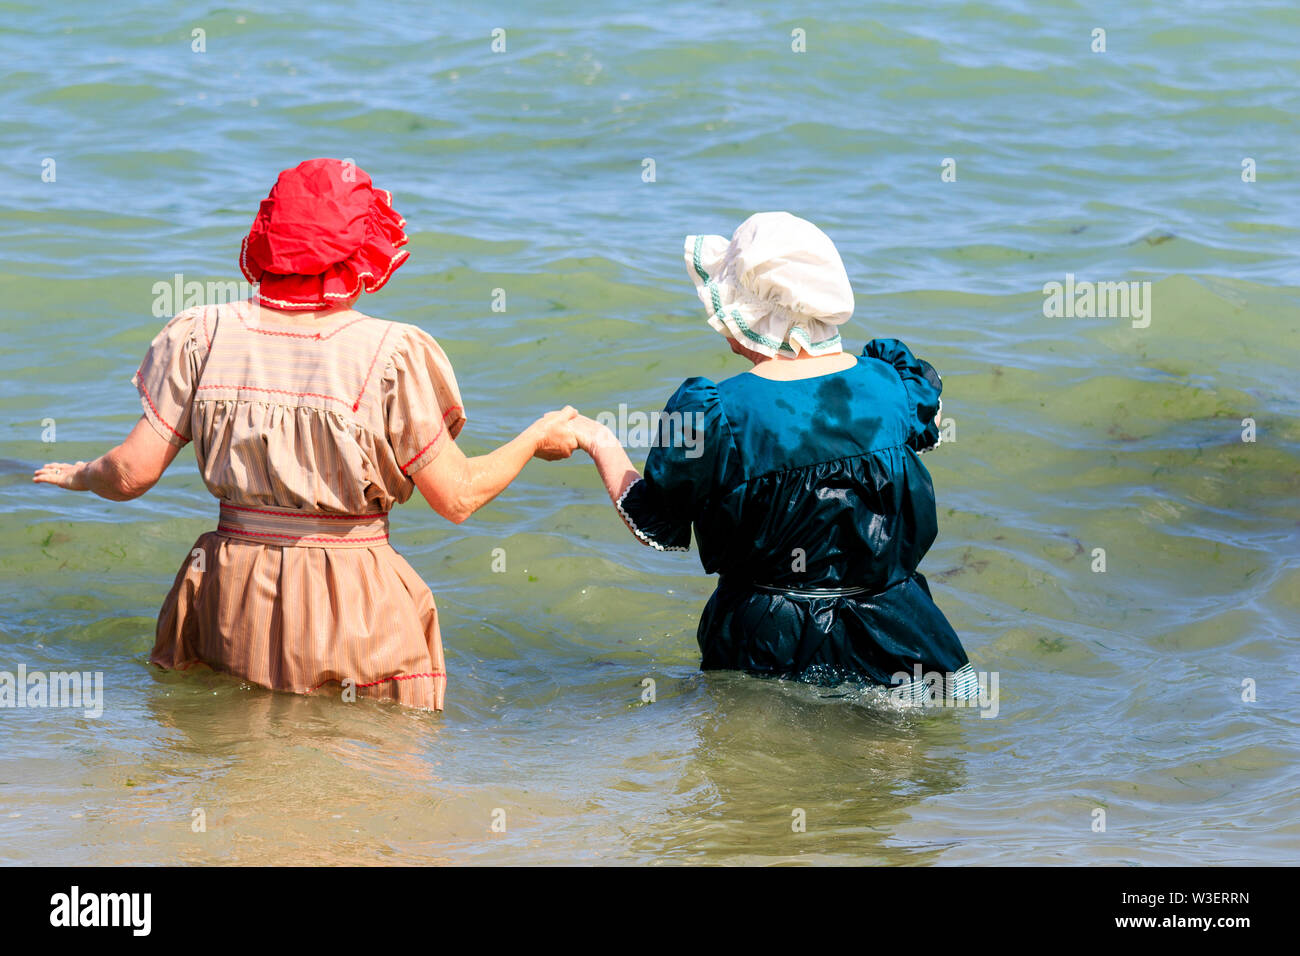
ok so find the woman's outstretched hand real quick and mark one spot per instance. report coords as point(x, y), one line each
point(125, 472)
point(554, 434)
point(70, 476)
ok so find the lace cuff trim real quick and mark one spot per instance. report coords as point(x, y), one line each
point(632, 524)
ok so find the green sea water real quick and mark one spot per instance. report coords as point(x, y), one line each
point(127, 157)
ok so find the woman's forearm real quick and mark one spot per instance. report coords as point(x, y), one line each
point(124, 473)
point(616, 469)
point(486, 476)
point(456, 486)
point(108, 477)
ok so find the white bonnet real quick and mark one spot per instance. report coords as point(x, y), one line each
point(778, 286)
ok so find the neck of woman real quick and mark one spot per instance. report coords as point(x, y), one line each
point(304, 316)
point(803, 365)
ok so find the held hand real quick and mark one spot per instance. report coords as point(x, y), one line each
point(72, 477)
point(555, 434)
point(591, 434)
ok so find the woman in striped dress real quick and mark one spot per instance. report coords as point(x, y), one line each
point(310, 421)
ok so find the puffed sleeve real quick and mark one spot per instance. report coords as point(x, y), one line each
point(422, 405)
point(688, 462)
point(167, 377)
point(921, 385)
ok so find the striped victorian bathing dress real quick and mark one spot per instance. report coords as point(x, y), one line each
point(307, 436)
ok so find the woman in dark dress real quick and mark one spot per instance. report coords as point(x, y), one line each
point(801, 477)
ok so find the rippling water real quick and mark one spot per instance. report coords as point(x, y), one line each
point(523, 171)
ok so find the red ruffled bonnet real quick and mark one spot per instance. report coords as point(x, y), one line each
point(322, 235)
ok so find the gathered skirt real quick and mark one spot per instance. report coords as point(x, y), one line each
point(874, 638)
point(305, 619)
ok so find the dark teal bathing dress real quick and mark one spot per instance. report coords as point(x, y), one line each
point(808, 498)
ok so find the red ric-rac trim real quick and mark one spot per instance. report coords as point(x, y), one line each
point(299, 514)
point(442, 428)
point(300, 335)
point(154, 408)
point(383, 680)
point(366, 381)
point(293, 537)
point(276, 391)
point(424, 449)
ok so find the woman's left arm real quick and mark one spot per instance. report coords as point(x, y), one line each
point(126, 472)
point(615, 467)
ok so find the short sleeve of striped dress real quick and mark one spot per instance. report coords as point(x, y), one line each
point(168, 375)
point(423, 409)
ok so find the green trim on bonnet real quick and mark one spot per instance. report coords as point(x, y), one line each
point(804, 339)
point(699, 269)
point(716, 296)
point(812, 346)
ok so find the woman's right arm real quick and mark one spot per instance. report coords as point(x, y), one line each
point(456, 486)
point(615, 467)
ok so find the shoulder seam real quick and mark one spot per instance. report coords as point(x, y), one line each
point(404, 331)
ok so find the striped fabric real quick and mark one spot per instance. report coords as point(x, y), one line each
point(292, 529)
point(307, 435)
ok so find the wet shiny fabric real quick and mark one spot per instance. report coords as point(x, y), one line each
point(794, 486)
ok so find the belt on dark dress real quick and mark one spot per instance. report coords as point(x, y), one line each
point(805, 592)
